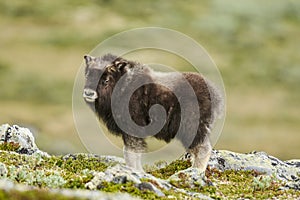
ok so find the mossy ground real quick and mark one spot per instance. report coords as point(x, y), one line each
point(33, 195)
point(231, 184)
point(244, 184)
point(72, 172)
point(75, 171)
point(9, 146)
point(171, 169)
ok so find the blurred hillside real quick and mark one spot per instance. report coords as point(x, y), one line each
point(255, 44)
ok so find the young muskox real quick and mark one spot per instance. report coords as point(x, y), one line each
point(111, 76)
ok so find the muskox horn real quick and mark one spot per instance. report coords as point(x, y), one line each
point(88, 58)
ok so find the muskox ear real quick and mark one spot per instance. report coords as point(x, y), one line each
point(88, 59)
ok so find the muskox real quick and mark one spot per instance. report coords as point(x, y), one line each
point(104, 74)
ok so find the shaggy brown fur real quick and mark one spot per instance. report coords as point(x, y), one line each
point(102, 75)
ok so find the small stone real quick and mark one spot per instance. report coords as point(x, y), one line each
point(148, 186)
point(191, 176)
point(119, 180)
point(96, 181)
point(3, 170)
point(3, 132)
point(145, 186)
point(221, 161)
point(100, 187)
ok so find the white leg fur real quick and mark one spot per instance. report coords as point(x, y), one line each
point(133, 159)
point(201, 154)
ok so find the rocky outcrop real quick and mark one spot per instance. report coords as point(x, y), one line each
point(24, 167)
point(120, 174)
point(286, 171)
point(21, 137)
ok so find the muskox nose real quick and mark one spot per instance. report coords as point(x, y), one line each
point(90, 95)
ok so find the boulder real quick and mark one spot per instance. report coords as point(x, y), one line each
point(21, 137)
point(286, 171)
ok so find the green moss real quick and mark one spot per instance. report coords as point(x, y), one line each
point(77, 181)
point(78, 163)
point(32, 195)
point(171, 169)
point(230, 183)
point(76, 171)
point(131, 188)
point(9, 146)
point(128, 187)
point(244, 184)
point(54, 171)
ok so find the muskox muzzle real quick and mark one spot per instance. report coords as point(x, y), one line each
point(89, 95)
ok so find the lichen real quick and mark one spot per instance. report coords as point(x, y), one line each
point(75, 171)
point(41, 178)
point(234, 184)
point(230, 184)
point(52, 172)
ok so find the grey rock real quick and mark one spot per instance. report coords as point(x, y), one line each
point(295, 163)
point(96, 182)
point(3, 170)
point(120, 171)
point(119, 180)
point(286, 171)
point(191, 176)
point(148, 186)
point(21, 136)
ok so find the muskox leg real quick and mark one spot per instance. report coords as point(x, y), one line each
point(201, 154)
point(132, 151)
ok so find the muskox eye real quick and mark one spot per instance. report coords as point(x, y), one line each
point(105, 81)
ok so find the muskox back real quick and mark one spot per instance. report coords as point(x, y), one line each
point(210, 105)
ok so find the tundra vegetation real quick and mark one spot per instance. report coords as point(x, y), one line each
point(49, 174)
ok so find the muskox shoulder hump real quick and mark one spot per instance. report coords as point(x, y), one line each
point(109, 57)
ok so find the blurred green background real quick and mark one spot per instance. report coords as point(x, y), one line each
point(255, 44)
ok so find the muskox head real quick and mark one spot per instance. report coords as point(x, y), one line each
point(101, 75)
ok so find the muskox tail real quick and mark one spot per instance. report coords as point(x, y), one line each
point(217, 101)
